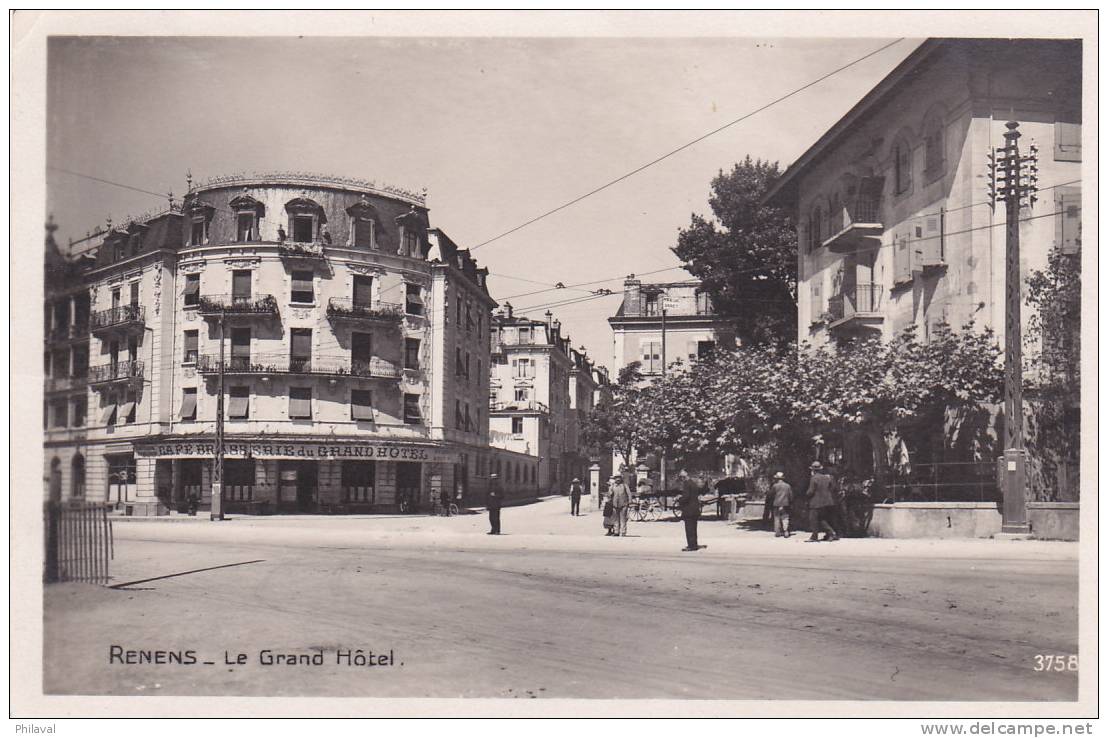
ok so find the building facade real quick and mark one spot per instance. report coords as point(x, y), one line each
point(666, 323)
point(541, 390)
point(65, 366)
point(896, 224)
point(343, 334)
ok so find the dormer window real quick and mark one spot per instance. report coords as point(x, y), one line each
point(305, 219)
point(362, 225)
point(197, 233)
point(248, 215)
point(200, 215)
point(411, 244)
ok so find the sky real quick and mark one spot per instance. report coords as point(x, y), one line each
point(498, 130)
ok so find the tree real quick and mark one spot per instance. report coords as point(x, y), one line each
point(746, 254)
point(615, 423)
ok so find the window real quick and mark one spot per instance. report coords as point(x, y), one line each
point(517, 426)
point(132, 348)
point(413, 300)
point(363, 232)
point(127, 410)
point(703, 303)
point(60, 415)
point(238, 403)
point(80, 411)
point(467, 365)
point(523, 368)
point(240, 348)
point(240, 285)
point(192, 346)
point(303, 287)
point(933, 154)
point(525, 334)
point(522, 394)
point(119, 252)
point(902, 167)
point(412, 415)
point(1067, 225)
point(300, 351)
point(411, 353)
point(361, 353)
point(459, 368)
point(300, 402)
point(136, 243)
point(187, 403)
point(704, 348)
point(1067, 141)
point(361, 404)
point(650, 304)
point(363, 291)
point(652, 357)
point(815, 230)
point(303, 228)
point(411, 242)
point(468, 418)
point(358, 478)
point(459, 313)
point(239, 473)
point(110, 411)
point(244, 230)
point(192, 289)
point(134, 294)
point(458, 414)
point(198, 233)
point(116, 297)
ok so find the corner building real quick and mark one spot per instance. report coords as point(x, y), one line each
point(346, 333)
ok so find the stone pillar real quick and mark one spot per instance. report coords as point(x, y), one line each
point(594, 483)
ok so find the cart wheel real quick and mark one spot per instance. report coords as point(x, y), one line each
point(677, 512)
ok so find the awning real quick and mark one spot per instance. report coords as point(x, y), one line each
point(192, 287)
point(109, 414)
point(125, 411)
point(300, 407)
point(188, 406)
point(238, 407)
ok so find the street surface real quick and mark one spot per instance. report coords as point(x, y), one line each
point(553, 608)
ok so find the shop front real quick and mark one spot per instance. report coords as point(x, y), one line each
point(263, 476)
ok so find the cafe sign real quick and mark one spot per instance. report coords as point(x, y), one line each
point(292, 450)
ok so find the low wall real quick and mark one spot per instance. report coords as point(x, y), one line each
point(1048, 520)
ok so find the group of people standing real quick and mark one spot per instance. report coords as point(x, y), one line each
point(822, 504)
point(617, 507)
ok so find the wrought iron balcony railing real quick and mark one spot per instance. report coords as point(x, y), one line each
point(852, 301)
point(344, 308)
point(852, 222)
point(123, 316)
point(520, 406)
point(118, 372)
point(300, 250)
point(283, 364)
point(255, 305)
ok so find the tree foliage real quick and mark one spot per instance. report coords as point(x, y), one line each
point(745, 254)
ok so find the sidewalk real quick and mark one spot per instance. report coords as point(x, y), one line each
point(547, 525)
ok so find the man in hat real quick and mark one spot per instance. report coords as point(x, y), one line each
point(493, 502)
point(821, 503)
point(689, 503)
point(781, 496)
point(620, 498)
point(575, 497)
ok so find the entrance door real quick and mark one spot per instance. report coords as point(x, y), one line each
point(409, 480)
point(297, 485)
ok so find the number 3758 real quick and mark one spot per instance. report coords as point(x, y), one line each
point(1055, 662)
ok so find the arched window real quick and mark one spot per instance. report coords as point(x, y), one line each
point(815, 229)
point(248, 216)
point(55, 479)
point(902, 166)
point(199, 214)
point(363, 224)
point(306, 219)
point(77, 482)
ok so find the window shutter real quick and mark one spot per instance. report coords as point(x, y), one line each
point(931, 243)
point(108, 418)
point(1067, 141)
point(363, 291)
point(902, 259)
point(817, 296)
point(1067, 224)
point(188, 406)
point(239, 404)
point(301, 343)
point(302, 282)
point(241, 284)
point(192, 285)
point(300, 402)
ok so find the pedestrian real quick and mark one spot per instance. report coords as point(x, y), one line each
point(609, 515)
point(493, 502)
point(621, 501)
point(689, 504)
point(821, 504)
point(782, 496)
point(575, 497)
point(444, 502)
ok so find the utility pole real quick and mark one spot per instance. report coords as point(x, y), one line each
point(1014, 179)
point(217, 472)
point(663, 478)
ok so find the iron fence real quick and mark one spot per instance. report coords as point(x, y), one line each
point(79, 542)
point(285, 364)
point(345, 307)
point(969, 481)
point(263, 305)
point(120, 315)
point(862, 298)
point(130, 369)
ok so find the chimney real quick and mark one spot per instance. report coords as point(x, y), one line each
point(508, 310)
point(632, 289)
point(557, 326)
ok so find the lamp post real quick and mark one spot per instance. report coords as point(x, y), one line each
point(217, 471)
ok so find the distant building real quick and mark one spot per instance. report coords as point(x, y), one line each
point(65, 365)
point(692, 328)
point(540, 391)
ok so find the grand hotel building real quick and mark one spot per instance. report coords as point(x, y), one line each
point(349, 336)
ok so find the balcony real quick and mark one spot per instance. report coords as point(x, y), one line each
point(298, 250)
point(120, 371)
point(521, 406)
point(856, 308)
point(344, 308)
point(256, 306)
point(855, 227)
point(122, 318)
point(269, 364)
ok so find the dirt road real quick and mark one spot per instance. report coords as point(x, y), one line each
point(574, 614)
